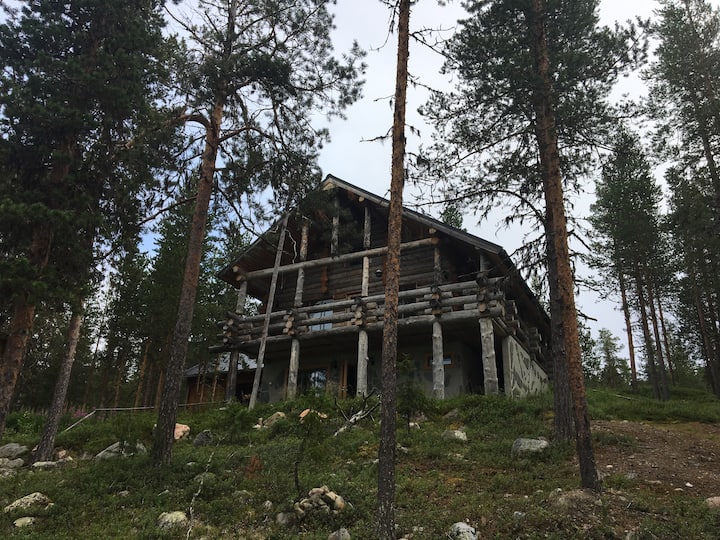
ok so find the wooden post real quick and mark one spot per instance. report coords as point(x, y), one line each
point(438, 365)
point(487, 340)
point(231, 386)
point(295, 343)
point(362, 358)
point(268, 313)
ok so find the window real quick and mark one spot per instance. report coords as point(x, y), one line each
point(318, 314)
point(312, 379)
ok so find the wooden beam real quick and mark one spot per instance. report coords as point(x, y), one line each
point(438, 361)
point(487, 340)
point(326, 261)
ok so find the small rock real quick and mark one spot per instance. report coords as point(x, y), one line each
point(123, 493)
point(35, 500)
point(182, 431)
point(452, 415)
point(414, 425)
point(43, 465)
point(13, 450)
point(454, 435)
point(462, 531)
point(24, 521)
point(285, 519)
point(340, 534)
point(8, 463)
point(121, 449)
point(204, 438)
point(713, 502)
point(170, 520)
point(523, 447)
point(267, 506)
point(273, 419)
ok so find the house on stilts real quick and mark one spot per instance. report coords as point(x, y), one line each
point(468, 322)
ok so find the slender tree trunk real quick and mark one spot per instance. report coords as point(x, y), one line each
point(386, 452)
point(649, 346)
point(666, 342)
point(556, 231)
point(164, 433)
point(662, 371)
point(142, 374)
point(268, 313)
point(120, 377)
point(21, 324)
point(628, 329)
point(710, 359)
point(47, 441)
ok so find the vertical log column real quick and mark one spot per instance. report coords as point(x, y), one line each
point(362, 358)
point(231, 387)
point(295, 343)
point(487, 340)
point(438, 361)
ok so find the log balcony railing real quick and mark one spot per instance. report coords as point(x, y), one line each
point(452, 302)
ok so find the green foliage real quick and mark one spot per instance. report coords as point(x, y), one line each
point(23, 423)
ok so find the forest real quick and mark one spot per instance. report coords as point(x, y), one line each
point(144, 142)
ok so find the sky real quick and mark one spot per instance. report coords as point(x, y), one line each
point(351, 157)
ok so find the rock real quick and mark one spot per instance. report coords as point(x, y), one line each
point(454, 435)
point(43, 465)
point(452, 415)
point(524, 447)
point(182, 431)
point(267, 506)
point(7, 463)
point(24, 521)
point(462, 531)
point(34, 501)
point(713, 503)
point(575, 500)
point(119, 449)
point(285, 519)
point(340, 534)
point(13, 450)
point(273, 419)
point(204, 438)
point(170, 520)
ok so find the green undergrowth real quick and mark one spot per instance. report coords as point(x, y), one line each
point(235, 487)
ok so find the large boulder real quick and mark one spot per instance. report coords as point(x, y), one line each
point(13, 450)
point(33, 502)
point(525, 447)
point(121, 449)
point(462, 531)
point(171, 520)
point(454, 435)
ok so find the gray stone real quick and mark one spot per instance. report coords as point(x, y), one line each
point(713, 503)
point(462, 531)
point(34, 501)
point(43, 465)
point(24, 521)
point(454, 435)
point(524, 447)
point(285, 519)
point(171, 520)
point(273, 419)
point(204, 438)
point(7, 463)
point(340, 534)
point(13, 450)
point(120, 449)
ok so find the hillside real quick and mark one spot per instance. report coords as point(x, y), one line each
point(658, 463)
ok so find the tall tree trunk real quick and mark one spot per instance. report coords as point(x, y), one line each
point(628, 329)
point(386, 452)
point(556, 232)
point(120, 377)
point(164, 433)
point(142, 374)
point(268, 313)
point(662, 371)
point(21, 324)
point(47, 441)
point(649, 346)
point(666, 342)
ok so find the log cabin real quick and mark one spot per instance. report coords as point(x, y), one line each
point(467, 321)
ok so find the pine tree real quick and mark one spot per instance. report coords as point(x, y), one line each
point(256, 72)
point(77, 83)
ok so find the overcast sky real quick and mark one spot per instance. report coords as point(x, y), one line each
point(367, 164)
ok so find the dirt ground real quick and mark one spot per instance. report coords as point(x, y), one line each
point(671, 457)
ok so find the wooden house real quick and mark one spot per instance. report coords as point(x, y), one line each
point(467, 320)
point(208, 383)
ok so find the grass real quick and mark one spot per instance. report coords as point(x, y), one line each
point(235, 487)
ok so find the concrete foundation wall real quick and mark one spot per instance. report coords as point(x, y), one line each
point(523, 376)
